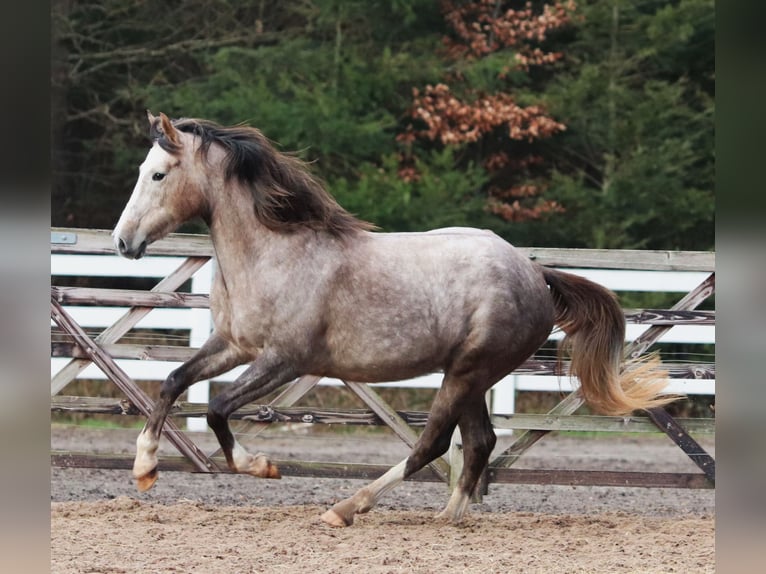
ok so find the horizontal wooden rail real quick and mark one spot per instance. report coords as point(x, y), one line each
point(638, 259)
point(91, 296)
point(100, 242)
point(372, 471)
point(598, 478)
point(316, 415)
point(529, 367)
point(96, 241)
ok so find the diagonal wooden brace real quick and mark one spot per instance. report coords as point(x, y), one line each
point(127, 321)
point(659, 416)
point(685, 442)
point(397, 424)
point(140, 399)
point(572, 402)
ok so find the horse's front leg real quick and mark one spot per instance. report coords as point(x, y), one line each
point(216, 356)
point(266, 374)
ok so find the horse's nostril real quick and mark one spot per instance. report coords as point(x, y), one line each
point(121, 246)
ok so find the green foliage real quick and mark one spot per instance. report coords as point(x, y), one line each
point(292, 94)
point(333, 80)
point(441, 197)
point(329, 79)
point(636, 166)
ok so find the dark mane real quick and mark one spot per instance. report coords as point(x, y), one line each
point(285, 194)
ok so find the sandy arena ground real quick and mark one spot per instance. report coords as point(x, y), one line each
point(231, 523)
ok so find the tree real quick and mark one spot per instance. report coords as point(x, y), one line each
point(635, 169)
point(489, 51)
point(616, 146)
point(105, 52)
point(550, 123)
point(325, 77)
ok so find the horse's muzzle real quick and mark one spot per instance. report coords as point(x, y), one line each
point(131, 253)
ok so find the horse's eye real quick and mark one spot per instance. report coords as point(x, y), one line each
point(158, 176)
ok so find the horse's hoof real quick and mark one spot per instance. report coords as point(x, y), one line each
point(334, 519)
point(443, 518)
point(145, 482)
point(262, 467)
point(273, 471)
point(447, 518)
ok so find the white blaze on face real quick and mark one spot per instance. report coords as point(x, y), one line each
point(145, 210)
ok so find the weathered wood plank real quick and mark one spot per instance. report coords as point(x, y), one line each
point(623, 259)
point(598, 478)
point(313, 469)
point(372, 471)
point(180, 244)
point(89, 296)
point(595, 423)
point(686, 443)
point(93, 405)
point(530, 367)
point(100, 242)
point(266, 414)
point(128, 351)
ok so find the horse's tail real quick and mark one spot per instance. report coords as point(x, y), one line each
point(594, 325)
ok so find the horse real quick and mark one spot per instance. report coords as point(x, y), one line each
point(303, 287)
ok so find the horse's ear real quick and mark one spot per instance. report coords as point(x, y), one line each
point(155, 132)
point(167, 128)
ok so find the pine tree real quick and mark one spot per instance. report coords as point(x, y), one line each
point(636, 165)
point(490, 53)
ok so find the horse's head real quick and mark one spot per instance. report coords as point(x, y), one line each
point(167, 192)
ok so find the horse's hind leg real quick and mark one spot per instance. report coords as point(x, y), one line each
point(262, 377)
point(478, 441)
point(433, 442)
point(216, 356)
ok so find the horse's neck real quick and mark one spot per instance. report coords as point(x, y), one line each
point(237, 235)
point(244, 244)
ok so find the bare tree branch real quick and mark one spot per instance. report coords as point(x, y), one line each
point(128, 54)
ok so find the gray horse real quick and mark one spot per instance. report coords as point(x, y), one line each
point(303, 287)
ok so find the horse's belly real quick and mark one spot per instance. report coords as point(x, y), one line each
point(379, 371)
point(388, 357)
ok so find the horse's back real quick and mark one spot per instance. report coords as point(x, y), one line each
point(466, 258)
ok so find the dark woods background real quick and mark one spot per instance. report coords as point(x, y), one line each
point(586, 124)
point(564, 124)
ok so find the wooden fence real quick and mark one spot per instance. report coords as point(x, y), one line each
point(74, 353)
